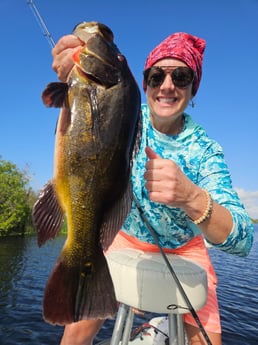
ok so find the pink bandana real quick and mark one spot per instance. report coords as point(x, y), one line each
point(184, 47)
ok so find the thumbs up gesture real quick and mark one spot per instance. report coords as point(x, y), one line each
point(165, 181)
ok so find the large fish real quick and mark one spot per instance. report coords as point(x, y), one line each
point(95, 140)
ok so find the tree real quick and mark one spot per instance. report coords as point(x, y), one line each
point(15, 210)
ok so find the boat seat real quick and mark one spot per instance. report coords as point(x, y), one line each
point(143, 281)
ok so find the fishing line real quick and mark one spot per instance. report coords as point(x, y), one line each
point(41, 23)
point(173, 273)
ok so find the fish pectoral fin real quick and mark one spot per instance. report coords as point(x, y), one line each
point(47, 215)
point(55, 94)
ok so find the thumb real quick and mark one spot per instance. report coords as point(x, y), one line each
point(151, 154)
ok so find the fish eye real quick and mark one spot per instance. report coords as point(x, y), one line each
point(120, 57)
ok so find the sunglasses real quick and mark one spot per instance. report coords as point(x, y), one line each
point(181, 76)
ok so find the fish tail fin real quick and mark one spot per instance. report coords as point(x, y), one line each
point(95, 295)
point(59, 295)
point(73, 294)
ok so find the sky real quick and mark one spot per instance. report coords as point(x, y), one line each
point(226, 103)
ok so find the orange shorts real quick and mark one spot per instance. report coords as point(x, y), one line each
point(196, 251)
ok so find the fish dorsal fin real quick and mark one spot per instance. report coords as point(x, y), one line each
point(47, 215)
point(55, 94)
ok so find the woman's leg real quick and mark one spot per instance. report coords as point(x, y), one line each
point(195, 336)
point(81, 333)
point(209, 313)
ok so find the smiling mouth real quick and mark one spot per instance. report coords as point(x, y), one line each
point(167, 100)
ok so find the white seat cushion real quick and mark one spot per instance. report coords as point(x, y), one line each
point(143, 281)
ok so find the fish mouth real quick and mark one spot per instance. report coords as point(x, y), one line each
point(89, 76)
point(99, 60)
point(92, 67)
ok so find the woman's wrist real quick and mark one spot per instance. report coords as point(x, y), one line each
point(199, 205)
point(207, 211)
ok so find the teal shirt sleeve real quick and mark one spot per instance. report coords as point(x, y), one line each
point(215, 177)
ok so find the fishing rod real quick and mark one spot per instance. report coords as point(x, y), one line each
point(41, 23)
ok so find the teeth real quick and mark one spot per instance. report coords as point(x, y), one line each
point(167, 100)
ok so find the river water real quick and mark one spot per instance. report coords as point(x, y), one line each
point(24, 269)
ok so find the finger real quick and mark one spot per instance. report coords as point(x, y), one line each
point(151, 154)
point(64, 62)
point(153, 186)
point(65, 42)
point(62, 55)
point(155, 161)
point(153, 174)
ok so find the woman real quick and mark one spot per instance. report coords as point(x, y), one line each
point(179, 177)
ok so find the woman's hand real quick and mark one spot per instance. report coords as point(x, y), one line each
point(63, 55)
point(166, 182)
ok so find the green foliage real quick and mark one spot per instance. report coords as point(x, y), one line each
point(15, 197)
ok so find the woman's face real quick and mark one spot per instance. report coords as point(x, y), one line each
point(167, 102)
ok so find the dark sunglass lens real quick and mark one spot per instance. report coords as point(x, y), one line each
point(182, 76)
point(154, 76)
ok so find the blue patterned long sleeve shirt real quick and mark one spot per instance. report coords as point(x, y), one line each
point(202, 160)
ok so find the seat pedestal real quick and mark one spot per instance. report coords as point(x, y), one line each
point(143, 281)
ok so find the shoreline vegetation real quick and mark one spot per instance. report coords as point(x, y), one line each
point(16, 202)
point(63, 232)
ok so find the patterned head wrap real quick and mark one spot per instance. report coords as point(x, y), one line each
point(184, 47)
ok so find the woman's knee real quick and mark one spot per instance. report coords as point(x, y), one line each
point(195, 336)
point(81, 333)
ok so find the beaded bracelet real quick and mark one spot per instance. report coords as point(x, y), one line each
point(208, 211)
